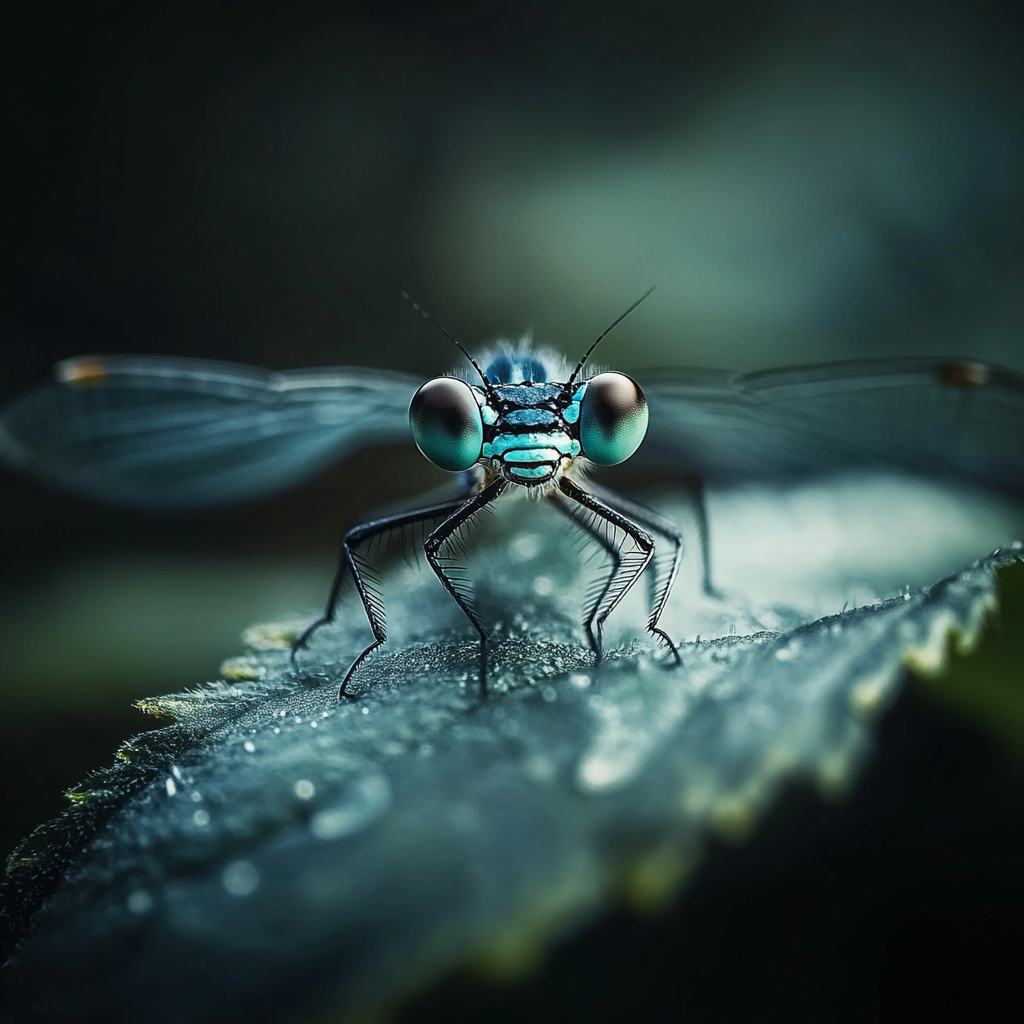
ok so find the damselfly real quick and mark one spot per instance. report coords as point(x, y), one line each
point(167, 432)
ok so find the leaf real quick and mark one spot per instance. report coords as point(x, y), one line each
point(987, 688)
point(275, 851)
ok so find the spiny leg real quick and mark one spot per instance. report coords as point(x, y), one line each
point(631, 564)
point(365, 580)
point(584, 519)
point(669, 530)
point(442, 565)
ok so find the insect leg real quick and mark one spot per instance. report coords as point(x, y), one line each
point(659, 524)
point(362, 576)
point(700, 508)
point(585, 521)
point(631, 564)
point(441, 563)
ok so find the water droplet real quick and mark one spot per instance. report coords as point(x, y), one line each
point(367, 799)
point(201, 818)
point(596, 773)
point(304, 789)
point(789, 652)
point(580, 679)
point(426, 750)
point(176, 772)
point(549, 694)
point(240, 878)
point(140, 902)
point(250, 746)
point(196, 796)
point(277, 730)
point(313, 724)
point(171, 787)
point(543, 585)
point(366, 711)
point(525, 547)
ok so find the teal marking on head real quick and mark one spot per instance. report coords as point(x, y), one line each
point(531, 417)
point(531, 455)
point(531, 472)
point(557, 439)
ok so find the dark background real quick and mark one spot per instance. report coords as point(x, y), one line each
point(258, 183)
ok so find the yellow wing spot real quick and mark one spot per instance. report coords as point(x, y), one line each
point(82, 373)
point(964, 374)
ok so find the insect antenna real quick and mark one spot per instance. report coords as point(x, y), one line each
point(476, 366)
point(615, 323)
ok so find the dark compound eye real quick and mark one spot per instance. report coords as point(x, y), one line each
point(500, 371)
point(613, 418)
point(534, 370)
point(446, 424)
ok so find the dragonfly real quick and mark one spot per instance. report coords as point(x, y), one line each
point(165, 433)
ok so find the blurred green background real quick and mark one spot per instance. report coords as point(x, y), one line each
point(258, 182)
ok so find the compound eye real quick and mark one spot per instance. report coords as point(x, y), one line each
point(446, 424)
point(613, 418)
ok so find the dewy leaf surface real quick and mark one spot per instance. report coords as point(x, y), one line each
point(274, 852)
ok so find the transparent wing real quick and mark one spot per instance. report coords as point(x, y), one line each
point(939, 417)
point(164, 432)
